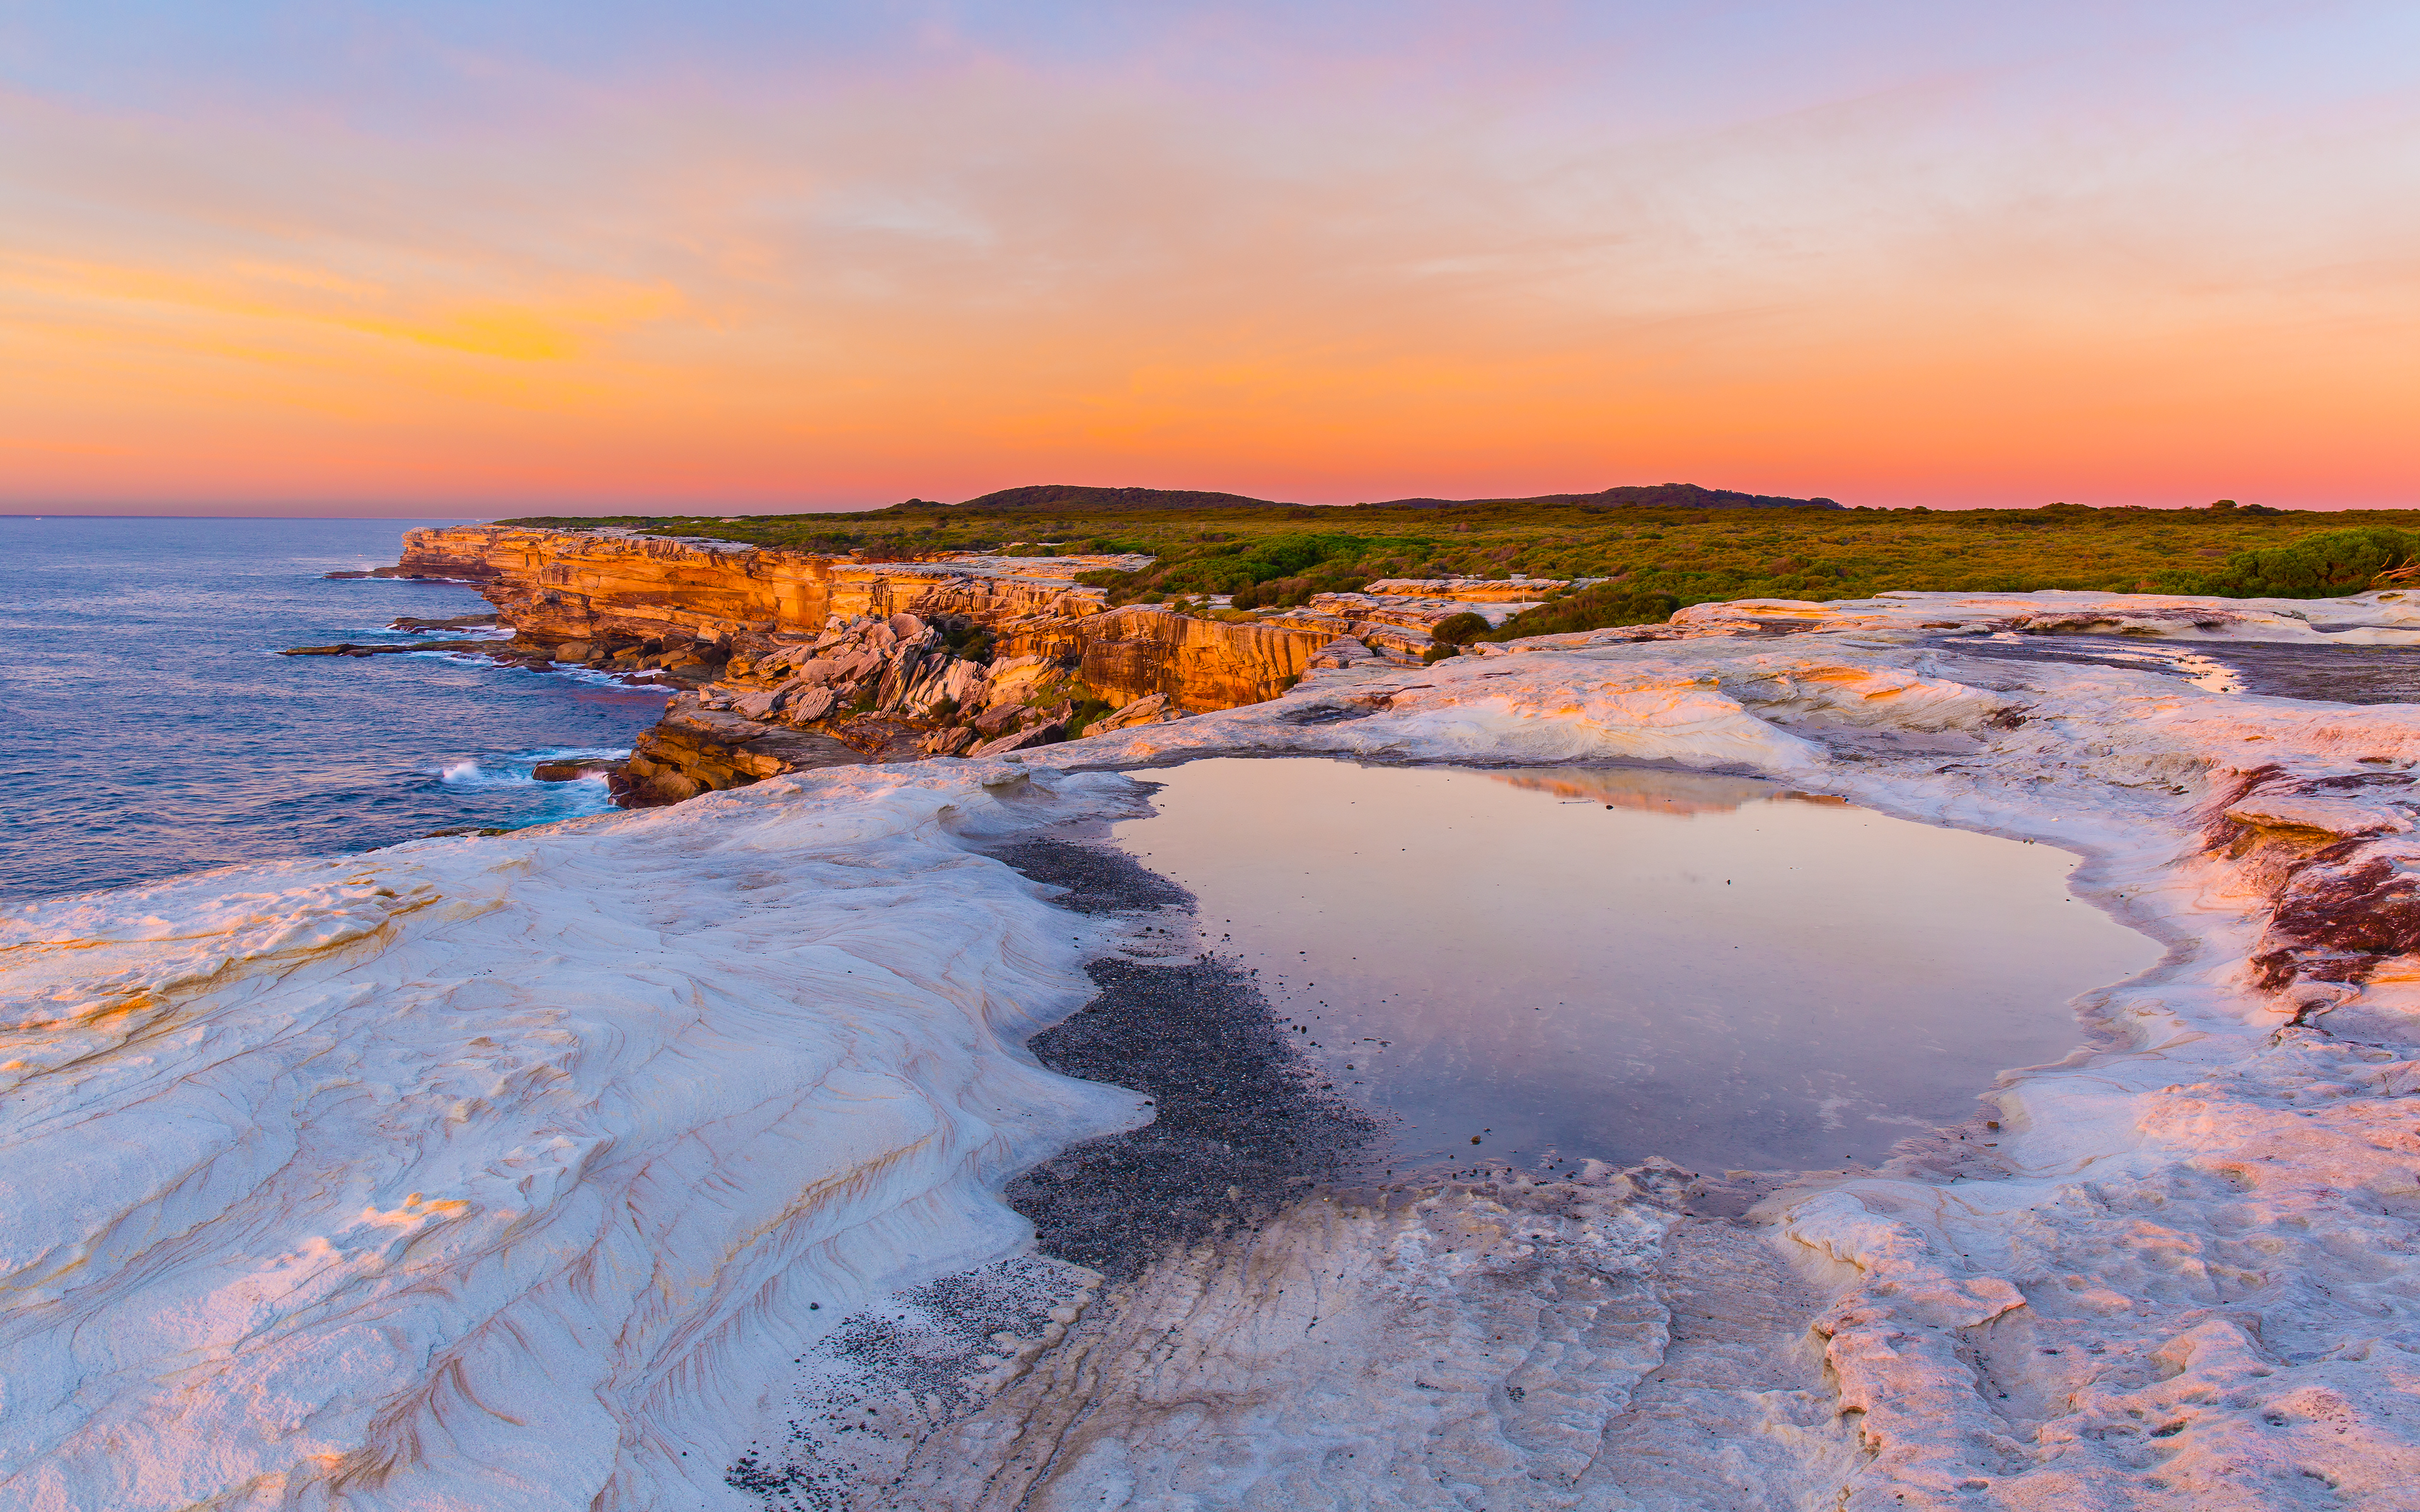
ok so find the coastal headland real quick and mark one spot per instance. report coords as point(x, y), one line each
point(787, 660)
point(546, 1168)
point(1039, 614)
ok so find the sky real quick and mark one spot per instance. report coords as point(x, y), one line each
point(472, 258)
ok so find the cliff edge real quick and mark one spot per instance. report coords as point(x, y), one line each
point(791, 660)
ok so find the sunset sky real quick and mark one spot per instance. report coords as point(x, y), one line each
point(481, 257)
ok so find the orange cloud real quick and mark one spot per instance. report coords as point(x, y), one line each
point(945, 285)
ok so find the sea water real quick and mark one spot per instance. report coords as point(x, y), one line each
point(1543, 966)
point(153, 729)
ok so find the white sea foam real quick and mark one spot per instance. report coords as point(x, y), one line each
point(518, 769)
point(646, 679)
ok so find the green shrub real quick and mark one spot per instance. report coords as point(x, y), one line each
point(1278, 593)
point(967, 639)
point(1204, 575)
point(1087, 708)
point(1458, 630)
point(2326, 565)
point(1592, 609)
point(1288, 555)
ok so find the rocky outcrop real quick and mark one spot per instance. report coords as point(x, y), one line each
point(695, 750)
point(1198, 664)
point(1394, 617)
point(905, 687)
point(801, 660)
point(615, 585)
point(384, 648)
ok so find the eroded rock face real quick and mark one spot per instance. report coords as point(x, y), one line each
point(695, 750)
point(2334, 852)
point(1198, 665)
point(885, 660)
point(591, 585)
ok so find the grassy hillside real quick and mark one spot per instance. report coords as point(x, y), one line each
point(1279, 553)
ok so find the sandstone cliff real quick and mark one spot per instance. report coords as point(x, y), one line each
point(885, 660)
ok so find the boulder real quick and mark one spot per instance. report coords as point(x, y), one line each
point(963, 683)
point(998, 718)
point(810, 704)
point(571, 771)
point(1341, 652)
point(1008, 680)
point(1041, 735)
point(1141, 711)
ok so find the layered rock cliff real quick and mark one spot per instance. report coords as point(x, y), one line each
point(586, 586)
point(798, 659)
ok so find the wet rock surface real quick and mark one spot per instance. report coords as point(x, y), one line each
point(1241, 1129)
point(458, 622)
point(1098, 879)
point(1454, 1347)
point(2326, 674)
point(1242, 1126)
point(349, 648)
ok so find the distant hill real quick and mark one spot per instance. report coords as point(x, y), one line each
point(1661, 495)
point(1082, 496)
point(1042, 496)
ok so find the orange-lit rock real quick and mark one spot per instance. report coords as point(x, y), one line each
point(853, 654)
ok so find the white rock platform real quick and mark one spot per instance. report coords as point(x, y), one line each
point(520, 1172)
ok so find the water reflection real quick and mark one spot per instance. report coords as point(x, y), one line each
point(1653, 791)
point(1582, 961)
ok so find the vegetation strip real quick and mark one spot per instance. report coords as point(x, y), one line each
point(1630, 562)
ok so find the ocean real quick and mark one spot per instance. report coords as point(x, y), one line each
point(153, 729)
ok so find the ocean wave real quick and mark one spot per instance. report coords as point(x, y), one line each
point(592, 676)
point(512, 777)
point(518, 768)
point(605, 679)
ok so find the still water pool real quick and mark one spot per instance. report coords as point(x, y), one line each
point(1579, 963)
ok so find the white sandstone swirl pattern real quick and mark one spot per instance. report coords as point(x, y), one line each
point(486, 1173)
point(501, 1173)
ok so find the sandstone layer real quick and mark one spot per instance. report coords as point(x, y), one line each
point(801, 660)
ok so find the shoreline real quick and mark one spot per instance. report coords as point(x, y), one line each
point(782, 660)
point(2181, 1249)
